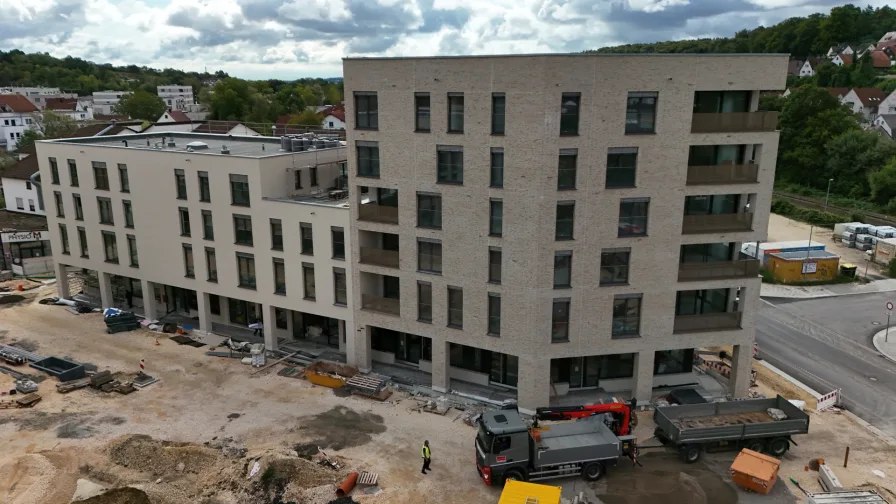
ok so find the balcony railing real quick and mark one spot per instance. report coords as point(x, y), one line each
point(716, 270)
point(378, 213)
point(733, 122)
point(707, 322)
point(717, 223)
point(723, 174)
point(379, 257)
point(381, 304)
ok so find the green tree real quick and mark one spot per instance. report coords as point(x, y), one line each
point(306, 118)
point(887, 86)
point(863, 74)
point(883, 183)
point(290, 99)
point(141, 105)
point(853, 155)
point(48, 124)
point(231, 99)
point(771, 102)
point(28, 138)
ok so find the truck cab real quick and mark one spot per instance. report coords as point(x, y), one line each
point(502, 444)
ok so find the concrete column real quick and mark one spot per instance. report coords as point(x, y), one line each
point(358, 348)
point(150, 306)
point(105, 289)
point(741, 366)
point(62, 290)
point(270, 322)
point(342, 337)
point(441, 365)
point(205, 316)
point(643, 389)
point(534, 387)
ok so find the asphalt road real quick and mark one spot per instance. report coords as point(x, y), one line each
point(826, 344)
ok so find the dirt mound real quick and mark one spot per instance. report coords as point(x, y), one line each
point(341, 427)
point(126, 495)
point(143, 453)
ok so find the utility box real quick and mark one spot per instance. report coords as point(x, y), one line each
point(813, 265)
point(885, 251)
point(755, 471)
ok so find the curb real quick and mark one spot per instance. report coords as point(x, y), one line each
point(789, 378)
point(876, 341)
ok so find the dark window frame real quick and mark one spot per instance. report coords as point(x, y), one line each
point(493, 309)
point(277, 264)
point(495, 217)
point(306, 238)
point(54, 171)
point(499, 119)
point(309, 285)
point(110, 243)
point(106, 217)
point(239, 190)
point(73, 173)
point(431, 211)
point(132, 251)
point(127, 209)
point(562, 260)
point(495, 268)
point(124, 181)
point(455, 313)
point(622, 163)
point(211, 265)
point(100, 176)
point(626, 325)
point(180, 184)
point(340, 292)
point(560, 310)
point(189, 261)
point(205, 190)
point(570, 119)
point(366, 110)
point(422, 113)
point(632, 215)
point(208, 225)
point(456, 117)
point(246, 279)
point(564, 222)
point(615, 266)
point(183, 217)
point(337, 240)
point(276, 227)
point(496, 168)
point(449, 164)
point(240, 235)
point(638, 105)
point(424, 309)
point(368, 159)
point(429, 256)
point(567, 169)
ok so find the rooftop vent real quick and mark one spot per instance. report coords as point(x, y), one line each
point(224, 149)
point(197, 145)
point(171, 143)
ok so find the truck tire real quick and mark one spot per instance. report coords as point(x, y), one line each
point(514, 475)
point(778, 446)
point(690, 453)
point(593, 471)
point(757, 445)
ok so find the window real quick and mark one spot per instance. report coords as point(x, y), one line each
point(63, 237)
point(27, 185)
point(368, 158)
point(633, 216)
point(214, 304)
point(184, 217)
point(366, 110)
point(340, 287)
point(279, 276)
point(614, 266)
point(640, 112)
point(714, 204)
point(54, 171)
point(450, 164)
point(298, 179)
point(132, 250)
point(239, 190)
point(569, 113)
point(721, 102)
point(123, 179)
point(429, 211)
point(100, 176)
point(276, 235)
point(494, 314)
point(242, 229)
point(455, 307)
point(498, 105)
point(708, 252)
point(205, 192)
point(60, 211)
point(424, 301)
point(494, 265)
point(565, 223)
point(82, 242)
point(128, 214)
point(245, 266)
point(566, 169)
point(312, 173)
point(429, 255)
point(496, 175)
point(308, 281)
point(495, 217)
point(455, 112)
point(281, 318)
point(105, 206)
point(110, 247)
point(180, 183)
point(31, 204)
point(20, 203)
point(421, 112)
point(211, 264)
point(79, 210)
point(560, 321)
point(667, 362)
point(307, 238)
point(699, 302)
point(337, 236)
point(562, 269)
point(626, 315)
point(208, 227)
point(73, 173)
point(621, 166)
point(189, 270)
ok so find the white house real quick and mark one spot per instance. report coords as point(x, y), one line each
point(887, 37)
point(77, 110)
point(808, 68)
point(176, 97)
point(37, 95)
point(21, 193)
point(887, 105)
point(865, 101)
point(104, 102)
point(843, 58)
point(173, 116)
point(840, 49)
point(334, 118)
point(886, 123)
point(15, 118)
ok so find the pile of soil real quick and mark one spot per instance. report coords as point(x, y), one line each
point(143, 453)
point(288, 478)
point(126, 495)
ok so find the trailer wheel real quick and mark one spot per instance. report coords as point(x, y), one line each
point(690, 453)
point(779, 446)
point(514, 475)
point(593, 471)
point(757, 445)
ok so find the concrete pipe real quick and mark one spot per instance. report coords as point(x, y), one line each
point(346, 487)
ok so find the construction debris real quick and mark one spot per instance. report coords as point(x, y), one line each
point(25, 386)
point(777, 414)
point(370, 385)
point(12, 358)
point(66, 387)
point(25, 401)
point(101, 378)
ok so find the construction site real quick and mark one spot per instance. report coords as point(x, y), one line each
point(125, 413)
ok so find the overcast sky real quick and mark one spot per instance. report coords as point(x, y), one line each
point(288, 39)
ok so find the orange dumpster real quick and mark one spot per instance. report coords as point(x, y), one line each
point(755, 471)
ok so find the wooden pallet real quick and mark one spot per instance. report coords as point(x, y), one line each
point(368, 478)
point(367, 384)
point(28, 400)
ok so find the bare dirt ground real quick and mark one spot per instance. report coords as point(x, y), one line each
point(196, 435)
point(783, 229)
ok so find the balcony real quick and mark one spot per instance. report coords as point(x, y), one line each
point(379, 257)
point(378, 213)
point(717, 223)
point(723, 174)
point(734, 122)
point(707, 322)
point(717, 270)
point(380, 304)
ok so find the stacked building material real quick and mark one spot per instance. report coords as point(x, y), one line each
point(119, 321)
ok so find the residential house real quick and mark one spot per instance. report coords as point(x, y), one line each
point(883, 59)
point(809, 66)
point(865, 50)
point(334, 118)
point(887, 37)
point(793, 67)
point(212, 127)
point(104, 102)
point(840, 49)
point(73, 108)
point(21, 192)
point(842, 59)
point(864, 101)
point(38, 95)
point(173, 116)
point(176, 97)
point(15, 118)
point(885, 123)
point(888, 105)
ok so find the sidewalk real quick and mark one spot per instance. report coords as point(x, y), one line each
point(807, 292)
point(884, 345)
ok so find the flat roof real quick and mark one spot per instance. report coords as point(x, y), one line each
point(579, 55)
point(16, 221)
point(238, 146)
point(802, 255)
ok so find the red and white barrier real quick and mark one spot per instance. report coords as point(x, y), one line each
point(828, 400)
point(142, 366)
point(755, 350)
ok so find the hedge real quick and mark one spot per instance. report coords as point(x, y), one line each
point(814, 217)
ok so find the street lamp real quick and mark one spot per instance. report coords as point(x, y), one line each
point(828, 195)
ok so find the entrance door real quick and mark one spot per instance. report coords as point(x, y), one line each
point(413, 348)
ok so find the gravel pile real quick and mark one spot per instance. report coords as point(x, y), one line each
point(143, 453)
point(126, 495)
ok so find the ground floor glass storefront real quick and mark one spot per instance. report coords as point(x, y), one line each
point(588, 371)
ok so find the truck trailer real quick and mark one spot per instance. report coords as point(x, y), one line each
point(507, 448)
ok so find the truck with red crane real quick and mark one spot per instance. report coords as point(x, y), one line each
point(619, 416)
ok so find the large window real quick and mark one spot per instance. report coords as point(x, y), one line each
point(569, 114)
point(499, 102)
point(673, 361)
point(312, 176)
point(621, 166)
point(421, 112)
point(276, 235)
point(450, 164)
point(105, 207)
point(455, 112)
point(368, 158)
point(496, 174)
point(180, 184)
point(429, 211)
point(494, 265)
point(495, 217)
point(626, 315)
point(239, 190)
point(110, 247)
point(82, 242)
point(279, 276)
point(698, 302)
point(128, 213)
point(340, 287)
point(73, 172)
point(455, 307)
point(63, 236)
point(132, 251)
point(189, 269)
point(208, 226)
point(100, 176)
point(714, 155)
point(54, 171)
point(707, 252)
point(716, 102)
point(211, 264)
point(245, 266)
point(60, 210)
point(308, 281)
point(79, 210)
point(366, 110)
point(424, 301)
point(566, 169)
point(306, 235)
point(242, 230)
point(123, 178)
point(337, 236)
point(205, 191)
point(633, 216)
point(565, 223)
point(562, 269)
point(560, 320)
point(640, 112)
point(494, 314)
point(429, 255)
point(614, 266)
point(184, 217)
point(711, 205)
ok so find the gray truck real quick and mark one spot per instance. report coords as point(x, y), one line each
point(694, 428)
point(507, 448)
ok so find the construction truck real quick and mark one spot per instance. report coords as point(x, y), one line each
point(509, 449)
point(619, 416)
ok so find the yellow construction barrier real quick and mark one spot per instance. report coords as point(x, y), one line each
point(520, 492)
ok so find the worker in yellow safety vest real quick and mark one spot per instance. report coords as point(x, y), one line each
point(426, 456)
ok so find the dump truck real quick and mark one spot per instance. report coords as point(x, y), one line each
point(730, 425)
point(509, 449)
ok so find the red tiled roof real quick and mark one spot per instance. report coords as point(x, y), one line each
point(177, 116)
point(336, 111)
point(879, 59)
point(889, 43)
point(847, 59)
point(869, 96)
point(16, 103)
point(62, 103)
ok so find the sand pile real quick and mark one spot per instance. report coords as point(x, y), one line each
point(143, 453)
point(126, 495)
